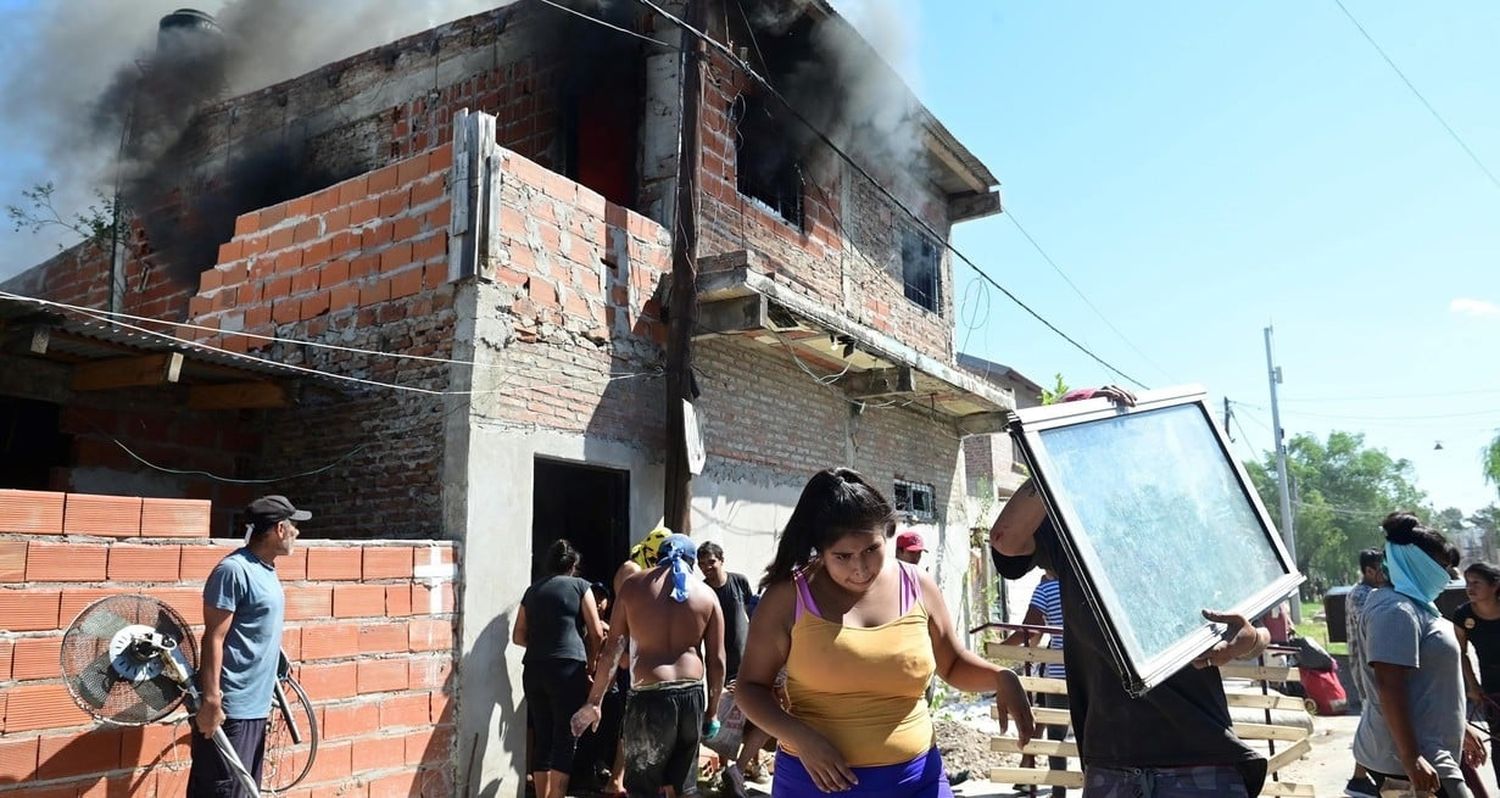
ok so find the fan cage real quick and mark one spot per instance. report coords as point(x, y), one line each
point(94, 683)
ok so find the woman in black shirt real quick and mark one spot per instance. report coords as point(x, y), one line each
point(1477, 623)
point(558, 624)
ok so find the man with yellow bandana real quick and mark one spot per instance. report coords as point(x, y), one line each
point(643, 555)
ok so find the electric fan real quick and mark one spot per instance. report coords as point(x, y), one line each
point(128, 660)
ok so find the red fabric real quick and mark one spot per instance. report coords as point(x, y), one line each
point(1079, 394)
point(1325, 690)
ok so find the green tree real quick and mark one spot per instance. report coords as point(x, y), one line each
point(1451, 521)
point(1341, 489)
point(1491, 461)
point(1487, 521)
point(1059, 389)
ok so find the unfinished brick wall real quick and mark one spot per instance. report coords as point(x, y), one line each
point(371, 627)
point(760, 410)
point(361, 264)
point(576, 279)
point(847, 253)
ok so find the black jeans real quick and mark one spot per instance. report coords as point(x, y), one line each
point(1058, 733)
point(555, 689)
point(211, 776)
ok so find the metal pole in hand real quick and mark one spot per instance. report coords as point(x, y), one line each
point(179, 673)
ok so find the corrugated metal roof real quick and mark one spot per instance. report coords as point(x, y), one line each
point(86, 338)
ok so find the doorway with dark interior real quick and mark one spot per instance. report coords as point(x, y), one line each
point(589, 506)
point(32, 445)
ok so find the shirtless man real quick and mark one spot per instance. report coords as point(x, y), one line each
point(668, 614)
point(642, 556)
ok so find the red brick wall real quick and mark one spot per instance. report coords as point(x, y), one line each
point(848, 253)
point(374, 643)
point(361, 264)
point(577, 280)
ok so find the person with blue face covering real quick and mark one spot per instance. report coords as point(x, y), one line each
point(670, 616)
point(1413, 728)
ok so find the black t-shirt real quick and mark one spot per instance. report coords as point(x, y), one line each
point(1484, 636)
point(733, 596)
point(554, 619)
point(1182, 722)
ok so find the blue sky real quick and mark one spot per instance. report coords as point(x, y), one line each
point(1200, 170)
point(1203, 169)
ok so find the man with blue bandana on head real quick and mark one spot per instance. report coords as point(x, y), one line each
point(674, 622)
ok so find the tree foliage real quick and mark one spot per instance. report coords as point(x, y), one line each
point(38, 212)
point(1059, 389)
point(1341, 489)
point(1491, 461)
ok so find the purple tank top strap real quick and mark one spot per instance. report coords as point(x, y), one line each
point(911, 587)
point(805, 601)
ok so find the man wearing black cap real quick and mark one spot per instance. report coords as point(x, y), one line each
point(242, 618)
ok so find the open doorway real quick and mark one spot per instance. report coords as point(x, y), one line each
point(31, 443)
point(587, 505)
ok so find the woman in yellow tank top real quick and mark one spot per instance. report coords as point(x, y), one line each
point(860, 636)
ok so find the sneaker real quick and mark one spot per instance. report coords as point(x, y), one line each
point(958, 778)
point(735, 780)
point(1361, 788)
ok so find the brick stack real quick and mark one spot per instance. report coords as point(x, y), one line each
point(371, 626)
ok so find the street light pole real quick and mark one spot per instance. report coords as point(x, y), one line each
point(1288, 530)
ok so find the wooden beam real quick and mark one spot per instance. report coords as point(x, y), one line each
point(128, 372)
point(237, 396)
point(1036, 747)
point(729, 316)
point(1071, 779)
point(1289, 755)
point(1272, 701)
point(876, 383)
point(1286, 789)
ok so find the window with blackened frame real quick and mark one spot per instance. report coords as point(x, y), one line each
point(765, 163)
point(915, 500)
point(921, 268)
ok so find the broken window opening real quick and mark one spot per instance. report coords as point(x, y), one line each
point(915, 500)
point(764, 167)
point(921, 268)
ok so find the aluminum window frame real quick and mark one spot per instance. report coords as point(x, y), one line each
point(1026, 427)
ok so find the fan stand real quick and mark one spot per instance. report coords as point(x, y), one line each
point(165, 649)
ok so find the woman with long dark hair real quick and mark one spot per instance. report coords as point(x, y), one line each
point(558, 624)
point(860, 635)
point(1413, 725)
point(1477, 623)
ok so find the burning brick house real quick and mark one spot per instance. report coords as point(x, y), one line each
point(421, 289)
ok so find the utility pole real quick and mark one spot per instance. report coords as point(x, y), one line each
point(682, 304)
point(1288, 531)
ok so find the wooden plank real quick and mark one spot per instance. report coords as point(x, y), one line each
point(1264, 731)
point(1289, 790)
point(1003, 653)
point(237, 396)
point(1044, 716)
point(1035, 684)
point(1293, 753)
point(1259, 673)
point(41, 336)
point(1071, 779)
point(128, 372)
point(1011, 745)
point(1273, 701)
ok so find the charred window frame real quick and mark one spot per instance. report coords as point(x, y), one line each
point(915, 500)
point(921, 268)
point(764, 166)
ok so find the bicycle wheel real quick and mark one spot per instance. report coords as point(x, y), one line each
point(291, 738)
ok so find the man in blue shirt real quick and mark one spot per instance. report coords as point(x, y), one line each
point(243, 612)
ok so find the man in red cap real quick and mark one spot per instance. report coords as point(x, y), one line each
point(910, 548)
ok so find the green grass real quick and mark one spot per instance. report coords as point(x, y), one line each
point(1317, 629)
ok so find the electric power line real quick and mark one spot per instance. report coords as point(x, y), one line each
point(1430, 109)
point(1097, 312)
point(880, 187)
